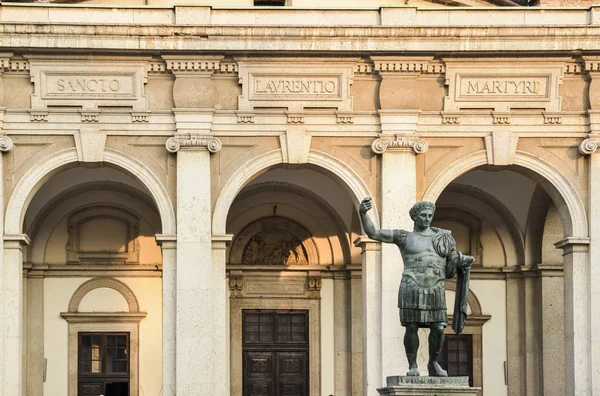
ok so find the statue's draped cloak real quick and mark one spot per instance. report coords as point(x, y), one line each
point(422, 297)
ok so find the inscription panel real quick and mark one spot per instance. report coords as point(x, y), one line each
point(495, 85)
point(293, 84)
point(499, 88)
point(88, 84)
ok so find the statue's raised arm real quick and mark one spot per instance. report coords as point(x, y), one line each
point(369, 227)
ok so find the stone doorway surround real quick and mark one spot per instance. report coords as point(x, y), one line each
point(271, 291)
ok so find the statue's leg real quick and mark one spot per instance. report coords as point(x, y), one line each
point(411, 345)
point(436, 342)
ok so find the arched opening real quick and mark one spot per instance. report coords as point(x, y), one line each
point(510, 218)
point(292, 259)
point(91, 222)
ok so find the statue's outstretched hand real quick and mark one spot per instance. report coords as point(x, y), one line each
point(466, 262)
point(366, 205)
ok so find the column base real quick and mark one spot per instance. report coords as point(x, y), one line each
point(428, 386)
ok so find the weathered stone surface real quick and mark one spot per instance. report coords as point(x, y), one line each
point(423, 386)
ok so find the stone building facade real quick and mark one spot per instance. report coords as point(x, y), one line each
point(181, 184)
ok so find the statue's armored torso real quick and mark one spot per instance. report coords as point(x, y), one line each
point(427, 262)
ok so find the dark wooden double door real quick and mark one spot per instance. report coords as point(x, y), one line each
point(275, 353)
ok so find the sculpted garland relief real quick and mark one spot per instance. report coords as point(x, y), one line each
point(275, 247)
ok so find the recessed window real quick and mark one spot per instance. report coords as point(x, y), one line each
point(457, 356)
point(270, 3)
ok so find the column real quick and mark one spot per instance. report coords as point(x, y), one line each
point(399, 189)
point(197, 339)
point(200, 294)
point(578, 370)
point(356, 335)
point(12, 314)
point(168, 244)
point(371, 285)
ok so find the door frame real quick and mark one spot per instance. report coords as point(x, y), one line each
point(313, 306)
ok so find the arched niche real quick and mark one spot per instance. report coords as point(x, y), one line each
point(101, 322)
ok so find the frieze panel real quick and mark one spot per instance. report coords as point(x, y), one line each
point(88, 85)
point(491, 84)
point(295, 85)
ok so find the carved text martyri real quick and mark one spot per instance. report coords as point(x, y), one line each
point(504, 86)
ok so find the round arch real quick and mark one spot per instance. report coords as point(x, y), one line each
point(46, 167)
point(104, 282)
point(357, 189)
point(561, 190)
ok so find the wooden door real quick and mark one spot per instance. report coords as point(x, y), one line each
point(275, 353)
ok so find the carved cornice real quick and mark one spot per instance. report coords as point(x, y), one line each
point(552, 118)
point(592, 65)
point(157, 67)
point(589, 145)
point(381, 145)
point(38, 116)
point(573, 68)
point(174, 143)
point(7, 64)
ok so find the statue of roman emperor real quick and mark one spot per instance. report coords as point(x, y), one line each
point(430, 257)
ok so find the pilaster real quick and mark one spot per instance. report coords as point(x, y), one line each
point(372, 330)
point(398, 195)
point(578, 315)
point(168, 244)
point(12, 313)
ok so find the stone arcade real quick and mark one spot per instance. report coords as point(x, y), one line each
point(181, 188)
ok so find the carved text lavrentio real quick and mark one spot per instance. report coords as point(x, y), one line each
point(271, 87)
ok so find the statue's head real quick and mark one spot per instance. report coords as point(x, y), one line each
point(420, 206)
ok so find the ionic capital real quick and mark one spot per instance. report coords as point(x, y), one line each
point(174, 143)
point(6, 143)
point(589, 146)
point(381, 145)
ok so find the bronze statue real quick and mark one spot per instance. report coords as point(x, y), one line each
point(430, 257)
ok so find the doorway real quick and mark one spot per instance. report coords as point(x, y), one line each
point(275, 352)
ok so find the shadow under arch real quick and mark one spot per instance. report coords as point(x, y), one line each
point(31, 182)
point(558, 187)
point(351, 182)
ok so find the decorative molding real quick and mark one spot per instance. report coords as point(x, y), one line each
point(212, 144)
point(6, 143)
point(589, 145)
point(140, 116)
point(313, 283)
point(76, 255)
point(592, 65)
point(7, 64)
point(344, 118)
point(573, 68)
point(157, 67)
point(38, 116)
point(236, 283)
point(400, 65)
point(228, 67)
point(295, 118)
point(381, 145)
point(103, 317)
point(552, 118)
point(501, 117)
point(363, 68)
point(450, 118)
point(245, 117)
point(193, 64)
point(89, 116)
point(104, 282)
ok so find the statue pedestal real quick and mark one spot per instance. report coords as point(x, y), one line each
point(428, 386)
